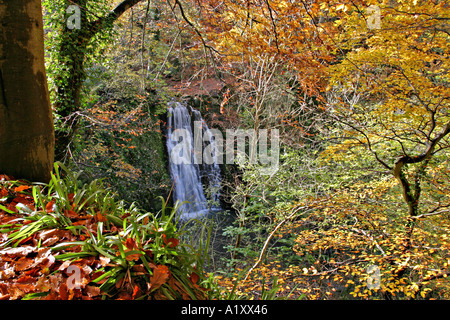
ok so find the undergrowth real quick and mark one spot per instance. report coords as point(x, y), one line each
point(68, 240)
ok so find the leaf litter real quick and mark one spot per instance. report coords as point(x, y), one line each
point(66, 260)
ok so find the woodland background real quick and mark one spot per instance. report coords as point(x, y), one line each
point(359, 208)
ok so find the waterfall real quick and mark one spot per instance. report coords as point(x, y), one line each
point(186, 134)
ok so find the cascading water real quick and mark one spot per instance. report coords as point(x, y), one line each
point(186, 170)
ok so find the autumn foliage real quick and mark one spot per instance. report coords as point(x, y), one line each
point(359, 206)
point(68, 244)
point(375, 222)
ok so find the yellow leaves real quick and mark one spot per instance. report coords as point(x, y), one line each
point(424, 292)
point(125, 170)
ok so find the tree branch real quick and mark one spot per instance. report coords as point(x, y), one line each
point(426, 154)
point(183, 14)
point(266, 243)
point(97, 25)
point(122, 8)
point(273, 25)
point(410, 199)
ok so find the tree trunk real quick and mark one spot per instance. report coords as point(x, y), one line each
point(26, 123)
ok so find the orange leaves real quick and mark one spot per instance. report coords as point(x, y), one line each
point(49, 207)
point(160, 275)
point(21, 188)
point(101, 217)
point(131, 251)
point(171, 242)
point(194, 277)
point(22, 268)
point(11, 196)
point(23, 263)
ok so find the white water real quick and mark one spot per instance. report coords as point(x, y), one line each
point(186, 172)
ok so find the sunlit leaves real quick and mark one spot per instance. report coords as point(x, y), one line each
point(76, 242)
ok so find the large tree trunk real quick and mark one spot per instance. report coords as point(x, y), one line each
point(26, 123)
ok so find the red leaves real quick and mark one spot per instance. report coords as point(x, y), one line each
point(131, 244)
point(171, 242)
point(194, 277)
point(24, 264)
point(132, 250)
point(32, 267)
point(3, 192)
point(160, 275)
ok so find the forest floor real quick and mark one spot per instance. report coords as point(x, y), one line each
point(62, 249)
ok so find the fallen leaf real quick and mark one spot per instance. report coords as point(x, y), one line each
point(101, 217)
point(124, 296)
point(21, 188)
point(3, 192)
point(24, 264)
point(63, 292)
point(43, 284)
point(104, 261)
point(133, 256)
point(32, 272)
point(50, 241)
point(55, 281)
point(131, 244)
point(50, 207)
point(136, 291)
point(92, 291)
point(26, 279)
point(80, 222)
point(64, 265)
point(3, 288)
point(25, 200)
point(71, 214)
point(18, 252)
point(70, 196)
point(15, 292)
point(160, 275)
point(194, 277)
point(171, 242)
point(12, 207)
point(139, 269)
point(7, 273)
